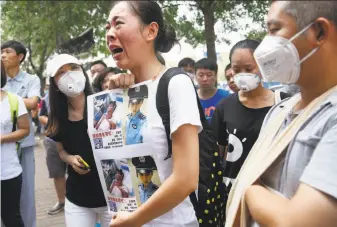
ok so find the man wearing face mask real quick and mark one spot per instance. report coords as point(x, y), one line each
point(295, 155)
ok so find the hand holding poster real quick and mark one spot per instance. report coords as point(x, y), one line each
point(117, 120)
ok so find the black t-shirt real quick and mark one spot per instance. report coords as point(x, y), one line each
point(82, 190)
point(237, 127)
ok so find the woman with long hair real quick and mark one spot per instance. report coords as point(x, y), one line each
point(135, 33)
point(14, 127)
point(67, 125)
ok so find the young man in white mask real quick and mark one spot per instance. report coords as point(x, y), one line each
point(290, 177)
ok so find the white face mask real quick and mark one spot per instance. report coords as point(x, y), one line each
point(278, 58)
point(247, 81)
point(72, 83)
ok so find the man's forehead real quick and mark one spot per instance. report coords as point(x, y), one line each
point(201, 70)
point(276, 15)
point(8, 49)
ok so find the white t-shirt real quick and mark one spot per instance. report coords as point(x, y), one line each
point(183, 110)
point(10, 165)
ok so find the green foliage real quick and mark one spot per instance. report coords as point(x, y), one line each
point(43, 25)
point(228, 12)
point(256, 34)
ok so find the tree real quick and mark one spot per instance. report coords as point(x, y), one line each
point(206, 13)
point(256, 34)
point(42, 26)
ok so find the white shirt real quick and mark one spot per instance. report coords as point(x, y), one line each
point(183, 110)
point(10, 165)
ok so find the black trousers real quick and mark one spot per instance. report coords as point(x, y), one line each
point(10, 202)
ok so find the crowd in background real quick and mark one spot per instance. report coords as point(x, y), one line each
point(274, 123)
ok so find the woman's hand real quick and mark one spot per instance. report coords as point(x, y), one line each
point(121, 80)
point(122, 219)
point(74, 161)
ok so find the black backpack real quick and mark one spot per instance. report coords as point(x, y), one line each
point(210, 203)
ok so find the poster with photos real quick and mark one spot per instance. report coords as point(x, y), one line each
point(117, 120)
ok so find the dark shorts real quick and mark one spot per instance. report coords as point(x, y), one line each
point(56, 167)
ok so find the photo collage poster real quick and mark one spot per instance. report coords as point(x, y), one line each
point(117, 120)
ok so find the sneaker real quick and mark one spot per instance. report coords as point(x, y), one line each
point(57, 208)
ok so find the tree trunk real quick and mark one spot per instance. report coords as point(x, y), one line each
point(209, 19)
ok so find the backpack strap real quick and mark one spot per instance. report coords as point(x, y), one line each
point(14, 107)
point(163, 105)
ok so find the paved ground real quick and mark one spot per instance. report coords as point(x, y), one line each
point(44, 192)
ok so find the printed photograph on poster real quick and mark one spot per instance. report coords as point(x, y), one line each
point(129, 183)
point(136, 120)
point(117, 178)
point(118, 118)
point(104, 112)
point(147, 177)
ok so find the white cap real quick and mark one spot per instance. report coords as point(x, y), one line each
point(58, 61)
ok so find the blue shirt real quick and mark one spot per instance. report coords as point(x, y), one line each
point(145, 193)
point(26, 86)
point(209, 104)
point(134, 126)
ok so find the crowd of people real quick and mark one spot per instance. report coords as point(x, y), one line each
point(277, 146)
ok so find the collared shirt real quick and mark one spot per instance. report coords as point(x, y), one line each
point(134, 125)
point(26, 86)
point(311, 156)
point(146, 193)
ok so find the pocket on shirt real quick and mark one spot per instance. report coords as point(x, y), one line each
point(308, 140)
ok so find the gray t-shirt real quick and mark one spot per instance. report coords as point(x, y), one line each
point(311, 157)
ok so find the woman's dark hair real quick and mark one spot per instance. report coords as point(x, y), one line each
point(58, 115)
point(97, 84)
point(160, 58)
point(250, 44)
point(148, 12)
point(3, 75)
point(120, 172)
point(228, 67)
point(114, 104)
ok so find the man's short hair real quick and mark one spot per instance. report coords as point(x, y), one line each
point(17, 46)
point(98, 62)
point(206, 63)
point(186, 62)
point(228, 67)
point(305, 12)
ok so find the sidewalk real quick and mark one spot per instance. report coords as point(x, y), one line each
point(45, 195)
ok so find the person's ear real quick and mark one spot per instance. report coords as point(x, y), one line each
point(151, 31)
point(322, 28)
point(21, 56)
